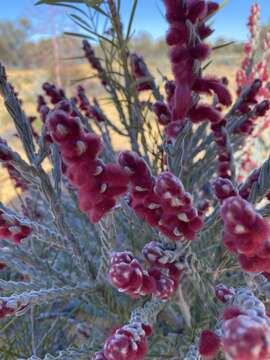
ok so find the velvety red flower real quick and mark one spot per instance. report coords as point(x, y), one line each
point(165, 286)
point(209, 344)
point(197, 10)
point(94, 61)
point(154, 253)
point(162, 112)
point(98, 184)
point(223, 188)
point(245, 339)
point(254, 264)
point(223, 293)
point(140, 73)
point(210, 85)
point(204, 112)
point(53, 93)
point(128, 342)
point(177, 34)
point(244, 226)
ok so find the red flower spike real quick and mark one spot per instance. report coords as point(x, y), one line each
point(94, 61)
point(98, 185)
point(209, 344)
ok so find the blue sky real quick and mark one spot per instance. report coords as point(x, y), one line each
point(229, 23)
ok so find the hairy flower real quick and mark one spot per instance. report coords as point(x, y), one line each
point(209, 344)
point(98, 184)
point(127, 342)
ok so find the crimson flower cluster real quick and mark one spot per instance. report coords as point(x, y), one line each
point(246, 233)
point(140, 73)
point(129, 342)
point(224, 156)
point(187, 31)
point(162, 201)
point(209, 344)
point(55, 94)
point(129, 277)
point(249, 101)
point(98, 184)
point(223, 188)
point(91, 111)
point(12, 229)
point(253, 24)
point(94, 61)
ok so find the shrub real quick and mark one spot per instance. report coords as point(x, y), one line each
point(148, 253)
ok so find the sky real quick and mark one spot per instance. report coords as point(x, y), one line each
point(229, 23)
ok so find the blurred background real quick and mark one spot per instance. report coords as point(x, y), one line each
point(34, 49)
